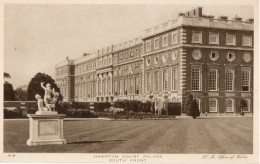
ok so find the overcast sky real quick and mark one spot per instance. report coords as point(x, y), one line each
point(37, 36)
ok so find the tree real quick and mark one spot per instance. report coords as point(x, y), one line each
point(8, 89)
point(20, 95)
point(195, 109)
point(188, 104)
point(8, 92)
point(34, 86)
point(191, 107)
point(7, 75)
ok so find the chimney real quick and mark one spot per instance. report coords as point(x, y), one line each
point(67, 58)
point(85, 54)
point(237, 19)
point(250, 20)
point(197, 12)
point(181, 14)
point(223, 18)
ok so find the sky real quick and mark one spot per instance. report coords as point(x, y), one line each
point(38, 36)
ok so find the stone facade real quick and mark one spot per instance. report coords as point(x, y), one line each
point(212, 59)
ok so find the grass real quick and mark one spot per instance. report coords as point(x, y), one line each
point(227, 135)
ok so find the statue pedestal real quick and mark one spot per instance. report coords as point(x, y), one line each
point(46, 129)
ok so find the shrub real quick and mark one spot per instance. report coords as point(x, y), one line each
point(99, 107)
point(15, 113)
point(31, 107)
point(191, 107)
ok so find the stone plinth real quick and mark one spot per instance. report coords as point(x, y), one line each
point(46, 129)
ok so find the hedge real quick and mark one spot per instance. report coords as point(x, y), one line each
point(99, 107)
point(134, 105)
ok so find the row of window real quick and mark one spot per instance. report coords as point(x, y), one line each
point(229, 103)
point(165, 41)
point(165, 80)
point(104, 87)
point(61, 72)
point(164, 55)
point(124, 55)
point(121, 86)
point(197, 38)
point(230, 55)
point(85, 67)
point(214, 38)
point(85, 91)
point(63, 91)
point(196, 79)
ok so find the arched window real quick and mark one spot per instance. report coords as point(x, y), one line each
point(247, 108)
point(229, 105)
point(213, 105)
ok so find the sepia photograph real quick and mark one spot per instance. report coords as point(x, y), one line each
point(136, 82)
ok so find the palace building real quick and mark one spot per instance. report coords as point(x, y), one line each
point(210, 58)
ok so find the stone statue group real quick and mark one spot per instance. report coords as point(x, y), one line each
point(49, 99)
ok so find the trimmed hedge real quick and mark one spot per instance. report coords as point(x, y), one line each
point(99, 107)
point(134, 105)
point(16, 113)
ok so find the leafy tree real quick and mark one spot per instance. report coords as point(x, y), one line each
point(7, 75)
point(188, 104)
point(8, 92)
point(34, 86)
point(191, 107)
point(8, 89)
point(20, 94)
point(195, 109)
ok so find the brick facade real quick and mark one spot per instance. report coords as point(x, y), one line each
point(212, 59)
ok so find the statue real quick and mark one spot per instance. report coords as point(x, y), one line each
point(49, 99)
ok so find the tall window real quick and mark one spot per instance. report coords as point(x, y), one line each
point(230, 105)
point(247, 40)
point(125, 86)
point(195, 79)
point(174, 37)
point(121, 87)
point(165, 40)
point(245, 80)
point(213, 79)
point(99, 87)
point(196, 37)
point(136, 85)
point(230, 39)
point(229, 80)
point(247, 107)
point(174, 79)
point(131, 54)
point(156, 43)
point(156, 81)
point(148, 45)
point(148, 82)
point(115, 87)
point(131, 85)
point(104, 86)
point(212, 105)
point(165, 80)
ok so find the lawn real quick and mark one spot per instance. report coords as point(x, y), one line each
point(225, 135)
